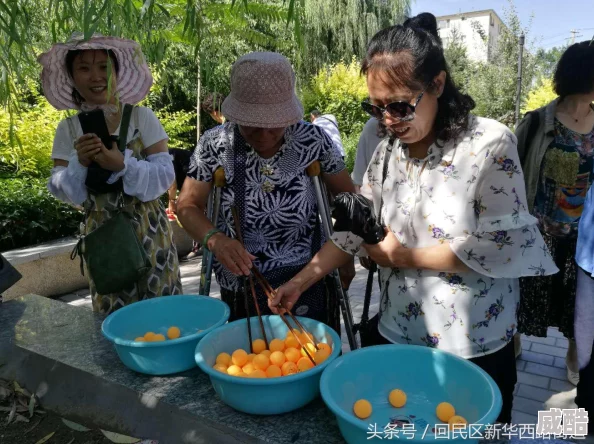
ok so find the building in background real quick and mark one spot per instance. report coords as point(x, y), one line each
point(478, 30)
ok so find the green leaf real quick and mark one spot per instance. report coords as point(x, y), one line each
point(46, 438)
point(119, 439)
point(75, 426)
point(31, 406)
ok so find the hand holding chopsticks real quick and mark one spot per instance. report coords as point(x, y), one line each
point(270, 293)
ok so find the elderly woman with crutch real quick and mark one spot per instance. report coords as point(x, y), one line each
point(264, 150)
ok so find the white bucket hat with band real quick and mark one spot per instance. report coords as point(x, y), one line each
point(263, 92)
point(134, 78)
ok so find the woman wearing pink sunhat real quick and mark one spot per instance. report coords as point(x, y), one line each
point(105, 73)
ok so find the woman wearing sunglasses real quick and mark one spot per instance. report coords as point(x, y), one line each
point(452, 199)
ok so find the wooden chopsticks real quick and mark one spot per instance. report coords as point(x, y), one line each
point(270, 293)
point(240, 239)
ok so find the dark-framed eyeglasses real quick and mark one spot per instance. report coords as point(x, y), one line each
point(400, 110)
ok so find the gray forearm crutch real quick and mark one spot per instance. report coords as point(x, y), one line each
point(314, 171)
point(212, 212)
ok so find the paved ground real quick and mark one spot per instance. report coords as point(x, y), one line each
point(542, 379)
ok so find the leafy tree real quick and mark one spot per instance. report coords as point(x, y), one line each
point(493, 85)
point(457, 58)
point(546, 60)
point(336, 30)
point(539, 96)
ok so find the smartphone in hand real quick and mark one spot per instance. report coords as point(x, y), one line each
point(93, 122)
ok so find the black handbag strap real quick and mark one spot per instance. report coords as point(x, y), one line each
point(125, 126)
point(373, 267)
point(122, 142)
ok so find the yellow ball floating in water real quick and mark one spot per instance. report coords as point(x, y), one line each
point(239, 357)
point(261, 362)
point(326, 347)
point(224, 358)
point(274, 371)
point(258, 346)
point(289, 368)
point(291, 342)
point(292, 354)
point(310, 348)
point(445, 411)
point(257, 374)
point(159, 338)
point(397, 398)
point(277, 358)
point(221, 368)
point(234, 370)
point(173, 333)
point(321, 355)
point(277, 345)
point(149, 336)
point(248, 368)
point(457, 422)
point(362, 409)
point(304, 364)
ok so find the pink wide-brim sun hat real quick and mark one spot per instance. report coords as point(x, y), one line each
point(263, 92)
point(134, 79)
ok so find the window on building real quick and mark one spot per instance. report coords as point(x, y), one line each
point(443, 24)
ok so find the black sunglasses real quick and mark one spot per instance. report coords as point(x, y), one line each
point(401, 110)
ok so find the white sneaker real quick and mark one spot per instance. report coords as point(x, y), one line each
point(573, 377)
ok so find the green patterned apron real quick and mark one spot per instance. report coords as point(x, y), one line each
point(155, 234)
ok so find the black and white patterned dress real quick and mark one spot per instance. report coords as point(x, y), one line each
point(276, 201)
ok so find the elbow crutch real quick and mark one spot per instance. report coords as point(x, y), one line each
point(314, 171)
point(212, 212)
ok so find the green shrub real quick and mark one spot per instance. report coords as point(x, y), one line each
point(539, 96)
point(26, 152)
point(180, 126)
point(349, 143)
point(339, 90)
point(29, 214)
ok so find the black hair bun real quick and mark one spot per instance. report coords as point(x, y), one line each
point(425, 21)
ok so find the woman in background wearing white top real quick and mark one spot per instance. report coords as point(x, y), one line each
point(458, 231)
point(104, 73)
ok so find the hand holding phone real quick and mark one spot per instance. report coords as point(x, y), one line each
point(93, 122)
point(88, 146)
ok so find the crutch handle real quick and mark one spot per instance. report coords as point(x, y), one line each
point(219, 178)
point(314, 169)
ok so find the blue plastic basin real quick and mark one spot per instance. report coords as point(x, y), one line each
point(268, 396)
point(189, 313)
point(427, 376)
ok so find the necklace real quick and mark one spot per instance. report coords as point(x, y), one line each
point(578, 119)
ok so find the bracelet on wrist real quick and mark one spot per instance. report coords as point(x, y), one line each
point(210, 234)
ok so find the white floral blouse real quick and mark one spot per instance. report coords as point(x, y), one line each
point(469, 193)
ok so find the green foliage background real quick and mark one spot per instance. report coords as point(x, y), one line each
point(325, 40)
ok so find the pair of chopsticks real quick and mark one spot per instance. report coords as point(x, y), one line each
point(270, 293)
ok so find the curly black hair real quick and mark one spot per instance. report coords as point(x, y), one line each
point(411, 55)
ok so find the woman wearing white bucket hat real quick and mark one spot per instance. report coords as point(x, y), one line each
point(105, 73)
point(264, 148)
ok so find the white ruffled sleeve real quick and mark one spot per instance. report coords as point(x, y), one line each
point(146, 179)
point(506, 242)
point(68, 183)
